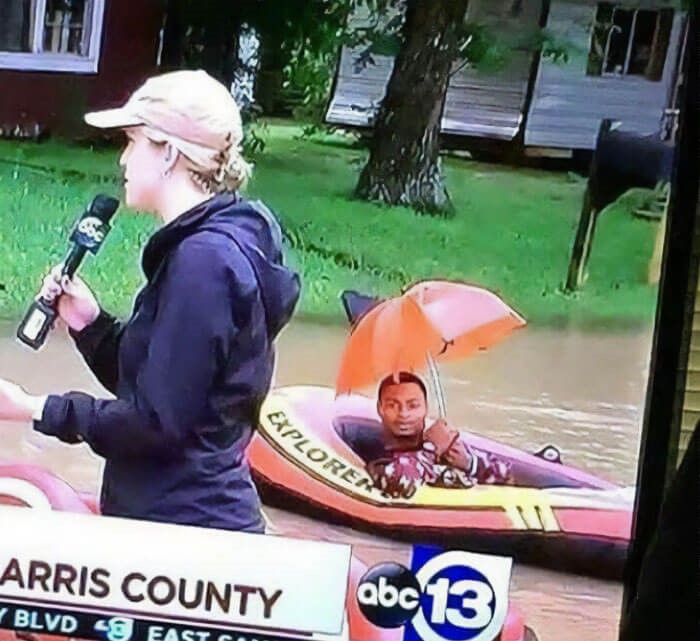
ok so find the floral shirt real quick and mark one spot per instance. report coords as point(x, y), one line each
point(400, 474)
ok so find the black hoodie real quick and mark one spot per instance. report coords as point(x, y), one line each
point(189, 369)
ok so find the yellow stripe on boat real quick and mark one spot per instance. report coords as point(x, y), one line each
point(527, 508)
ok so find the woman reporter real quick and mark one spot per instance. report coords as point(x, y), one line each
point(192, 365)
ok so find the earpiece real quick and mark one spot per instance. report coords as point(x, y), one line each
point(170, 157)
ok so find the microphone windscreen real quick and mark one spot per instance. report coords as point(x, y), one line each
point(103, 207)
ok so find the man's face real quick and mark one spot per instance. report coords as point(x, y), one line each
point(403, 409)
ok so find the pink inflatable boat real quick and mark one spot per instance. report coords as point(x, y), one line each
point(553, 515)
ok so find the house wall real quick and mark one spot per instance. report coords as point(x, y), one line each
point(57, 100)
point(479, 104)
point(567, 105)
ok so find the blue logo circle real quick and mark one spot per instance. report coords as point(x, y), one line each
point(458, 603)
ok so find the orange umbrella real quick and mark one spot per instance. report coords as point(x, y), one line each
point(439, 320)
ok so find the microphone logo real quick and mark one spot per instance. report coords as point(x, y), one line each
point(90, 233)
point(91, 227)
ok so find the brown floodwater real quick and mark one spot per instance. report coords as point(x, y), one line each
point(583, 391)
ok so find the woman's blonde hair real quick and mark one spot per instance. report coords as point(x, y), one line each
point(214, 172)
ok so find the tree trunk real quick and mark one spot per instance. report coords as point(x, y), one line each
point(202, 37)
point(404, 163)
point(173, 53)
point(221, 31)
point(270, 77)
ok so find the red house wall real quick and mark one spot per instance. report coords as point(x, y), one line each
point(57, 100)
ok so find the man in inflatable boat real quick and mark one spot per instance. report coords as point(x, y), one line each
point(402, 453)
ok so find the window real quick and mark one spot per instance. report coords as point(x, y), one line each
point(629, 42)
point(51, 35)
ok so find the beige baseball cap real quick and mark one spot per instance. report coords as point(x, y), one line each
point(190, 105)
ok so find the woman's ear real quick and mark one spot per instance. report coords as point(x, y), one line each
point(170, 159)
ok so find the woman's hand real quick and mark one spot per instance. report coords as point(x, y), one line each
point(16, 404)
point(77, 306)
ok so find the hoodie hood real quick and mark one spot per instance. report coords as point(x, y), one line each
point(254, 228)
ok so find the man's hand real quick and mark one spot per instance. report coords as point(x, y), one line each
point(459, 456)
point(16, 404)
point(442, 435)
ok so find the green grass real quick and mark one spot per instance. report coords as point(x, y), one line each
point(512, 231)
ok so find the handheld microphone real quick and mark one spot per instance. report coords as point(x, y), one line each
point(87, 236)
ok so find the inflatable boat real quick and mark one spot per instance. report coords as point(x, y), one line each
point(552, 515)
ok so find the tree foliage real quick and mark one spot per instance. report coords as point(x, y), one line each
point(300, 41)
point(205, 33)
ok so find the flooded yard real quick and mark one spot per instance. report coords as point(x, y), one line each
point(582, 391)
